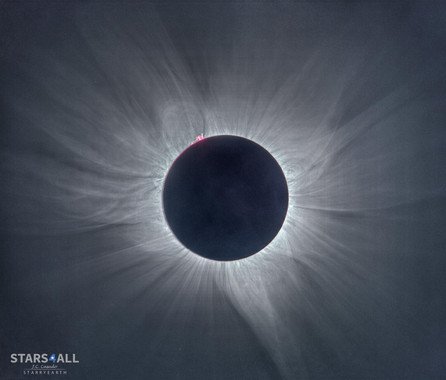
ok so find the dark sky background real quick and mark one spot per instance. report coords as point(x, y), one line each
point(354, 98)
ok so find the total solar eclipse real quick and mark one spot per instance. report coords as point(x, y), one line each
point(225, 198)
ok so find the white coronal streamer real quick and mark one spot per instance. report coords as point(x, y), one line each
point(123, 108)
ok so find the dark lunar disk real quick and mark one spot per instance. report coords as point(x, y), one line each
point(225, 198)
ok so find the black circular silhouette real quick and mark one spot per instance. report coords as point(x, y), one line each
point(225, 198)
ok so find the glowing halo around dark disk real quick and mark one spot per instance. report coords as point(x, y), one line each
point(225, 198)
